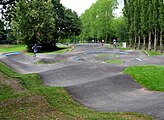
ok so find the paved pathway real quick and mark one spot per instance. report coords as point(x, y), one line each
point(94, 83)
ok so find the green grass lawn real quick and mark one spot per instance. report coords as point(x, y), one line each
point(105, 55)
point(125, 48)
point(114, 61)
point(36, 101)
point(12, 48)
point(152, 53)
point(151, 77)
point(22, 48)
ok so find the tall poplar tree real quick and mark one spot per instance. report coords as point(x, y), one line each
point(161, 23)
point(144, 22)
point(136, 22)
point(155, 21)
point(132, 24)
point(150, 22)
point(127, 15)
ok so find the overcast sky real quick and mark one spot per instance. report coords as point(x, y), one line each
point(81, 5)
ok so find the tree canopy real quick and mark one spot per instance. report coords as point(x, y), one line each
point(97, 20)
point(33, 22)
point(2, 31)
point(67, 22)
point(42, 22)
point(119, 27)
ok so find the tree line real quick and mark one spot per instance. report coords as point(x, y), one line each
point(41, 22)
point(48, 21)
point(100, 23)
point(97, 21)
point(145, 23)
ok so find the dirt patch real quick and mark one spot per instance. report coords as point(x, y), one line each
point(29, 107)
point(11, 82)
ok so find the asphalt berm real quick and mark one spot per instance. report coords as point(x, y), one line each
point(91, 81)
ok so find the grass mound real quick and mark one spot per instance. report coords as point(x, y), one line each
point(114, 61)
point(151, 77)
point(152, 53)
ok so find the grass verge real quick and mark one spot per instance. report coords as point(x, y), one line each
point(22, 48)
point(12, 48)
point(114, 61)
point(37, 101)
point(125, 48)
point(151, 77)
point(105, 55)
point(152, 53)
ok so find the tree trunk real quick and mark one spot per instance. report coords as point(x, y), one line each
point(161, 45)
point(155, 40)
point(139, 41)
point(106, 38)
point(130, 41)
point(144, 41)
point(135, 42)
point(149, 44)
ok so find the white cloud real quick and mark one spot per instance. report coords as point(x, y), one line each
point(81, 5)
point(78, 5)
point(118, 11)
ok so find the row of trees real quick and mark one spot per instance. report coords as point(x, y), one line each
point(145, 20)
point(41, 21)
point(97, 20)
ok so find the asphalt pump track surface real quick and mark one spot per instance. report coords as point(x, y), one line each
point(91, 81)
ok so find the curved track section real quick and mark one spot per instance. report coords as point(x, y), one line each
point(91, 81)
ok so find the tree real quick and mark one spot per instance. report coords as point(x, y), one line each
point(67, 22)
point(144, 22)
point(96, 21)
point(59, 16)
point(2, 31)
point(150, 22)
point(119, 26)
point(33, 23)
point(161, 22)
point(85, 19)
point(127, 14)
point(155, 21)
point(71, 23)
point(1, 27)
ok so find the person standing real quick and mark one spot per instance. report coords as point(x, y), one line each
point(114, 43)
point(102, 42)
point(35, 48)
